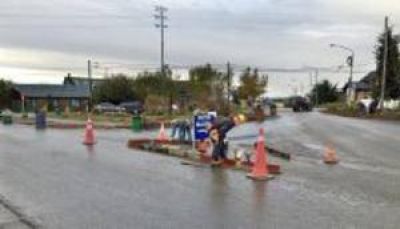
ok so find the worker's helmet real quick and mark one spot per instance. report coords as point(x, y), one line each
point(241, 118)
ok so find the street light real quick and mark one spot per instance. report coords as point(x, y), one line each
point(350, 62)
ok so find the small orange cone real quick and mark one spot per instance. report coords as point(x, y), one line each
point(259, 170)
point(162, 136)
point(330, 155)
point(89, 133)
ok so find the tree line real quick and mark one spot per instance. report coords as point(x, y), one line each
point(5, 93)
point(392, 86)
point(205, 88)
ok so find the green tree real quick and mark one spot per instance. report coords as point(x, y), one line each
point(116, 89)
point(326, 92)
point(252, 84)
point(5, 93)
point(149, 83)
point(208, 86)
point(156, 85)
point(392, 89)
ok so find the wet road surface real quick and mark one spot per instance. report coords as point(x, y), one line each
point(59, 183)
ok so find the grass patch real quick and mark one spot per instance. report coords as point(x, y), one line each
point(345, 110)
point(112, 117)
point(341, 109)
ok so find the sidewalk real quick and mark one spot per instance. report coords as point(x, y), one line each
point(72, 124)
point(80, 124)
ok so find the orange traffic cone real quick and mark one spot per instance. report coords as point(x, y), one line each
point(330, 155)
point(89, 133)
point(162, 135)
point(259, 170)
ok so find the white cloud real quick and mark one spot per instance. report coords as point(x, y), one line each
point(271, 33)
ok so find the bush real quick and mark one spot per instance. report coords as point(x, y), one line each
point(155, 104)
point(342, 109)
point(354, 111)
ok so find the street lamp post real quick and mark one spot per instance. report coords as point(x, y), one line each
point(350, 62)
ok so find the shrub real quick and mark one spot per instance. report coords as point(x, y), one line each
point(342, 109)
point(155, 104)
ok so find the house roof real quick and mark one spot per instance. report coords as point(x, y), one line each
point(361, 86)
point(52, 90)
point(76, 80)
point(358, 85)
point(364, 84)
point(370, 78)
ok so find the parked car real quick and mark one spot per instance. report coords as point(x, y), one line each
point(135, 107)
point(367, 106)
point(108, 107)
point(301, 104)
point(269, 106)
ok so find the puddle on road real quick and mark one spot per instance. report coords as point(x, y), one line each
point(91, 152)
point(314, 146)
point(369, 168)
point(307, 191)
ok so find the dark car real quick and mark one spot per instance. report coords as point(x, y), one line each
point(301, 104)
point(108, 107)
point(135, 107)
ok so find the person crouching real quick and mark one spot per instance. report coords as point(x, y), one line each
point(218, 132)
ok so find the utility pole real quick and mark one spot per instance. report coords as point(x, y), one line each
point(90, 85)
point(229, 78)
point(316, 87)
point(106, 71)
point(160, 16)
point(384, 70)
point(302, 89)
point(23, 104)
point(350, 62)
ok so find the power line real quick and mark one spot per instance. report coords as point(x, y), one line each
point(69, 16)
point(65, 26)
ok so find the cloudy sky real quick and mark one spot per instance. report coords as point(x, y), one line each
point(41, 41)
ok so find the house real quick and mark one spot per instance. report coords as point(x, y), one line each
point(81, 81)
point(361, 89)
point(50, 96)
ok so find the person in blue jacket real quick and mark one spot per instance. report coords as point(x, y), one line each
point(217, 132)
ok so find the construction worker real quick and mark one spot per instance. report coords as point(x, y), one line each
point(217, 133)
point(181, 128)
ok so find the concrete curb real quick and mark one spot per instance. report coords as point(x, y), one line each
point(171, 148)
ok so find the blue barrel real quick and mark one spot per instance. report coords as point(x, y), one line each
point(41, 122)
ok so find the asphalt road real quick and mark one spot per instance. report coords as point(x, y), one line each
point(53, 181)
